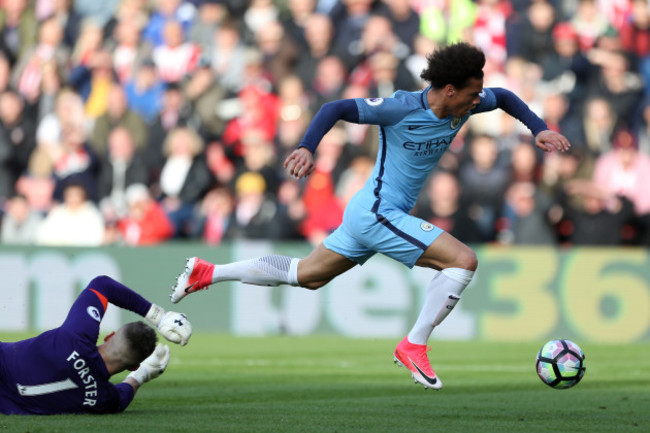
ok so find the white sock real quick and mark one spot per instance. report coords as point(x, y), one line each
point(443, 294)
point(263, 271)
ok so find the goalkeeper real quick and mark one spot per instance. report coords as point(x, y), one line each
point(64, 371)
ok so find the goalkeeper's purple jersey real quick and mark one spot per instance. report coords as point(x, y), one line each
point(61, 371)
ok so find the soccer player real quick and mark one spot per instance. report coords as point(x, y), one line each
point(64, 371)
point(416, 128)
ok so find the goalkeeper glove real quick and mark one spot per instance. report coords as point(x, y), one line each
point(173, 326)
point(153, 366)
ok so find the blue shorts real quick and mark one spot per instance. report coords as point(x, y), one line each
point(389, 231)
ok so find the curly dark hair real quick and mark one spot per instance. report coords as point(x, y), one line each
point(454, 64)
point(142, 340)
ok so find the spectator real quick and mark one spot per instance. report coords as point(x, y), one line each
point(566, 69)
point(601, 218)
point(204, 96)
point(174, 113)
point(145, 222)
point(257, 214)
point(350, 17)
point(229, 56)
point(417, 61)
point(558, 117)
point(129, 51)
point(100, 12)
point(17, 140)
point(559, 171)
point(27, 72)
point(68, 108)
point(51, 83)
point(211, 13)
point(258, 15)
point(67, 16)
point(353, 178)
point(378, 39)
point(635, 38)
point(90, 41)
point(184, 179)
point(145, 92)
point(524, 163)
point(296, 21)
point(598, 125)
point(175, 58)
point(121, 168)
point(165, 11)
point(259, 156)
point(483, 181)
point(489, 31)
point(443, 207)
point(526, 218)
point(446, 21)
point(535, 40)
point(18, 29)
point(404, 21)
point(279, 52)
point(74, 222)
point(625, 172)
point(616, 83)
point(589, 23)
point(216, 214)
point(319, 32)
point(117, 114)
point(221, 167)
point(20, 222)
point(75, 161)
point(329, 82)
point(294, 115)
point(93, 81)
point(259, 110)
point(5, 72)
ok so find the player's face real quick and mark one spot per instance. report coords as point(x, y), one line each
point(465, 99)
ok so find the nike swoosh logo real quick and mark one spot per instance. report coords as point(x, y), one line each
point(431, 380)
point(412, 127)
point(187, 289)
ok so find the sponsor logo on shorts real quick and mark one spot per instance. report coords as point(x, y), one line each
point(94, 313)
point(374, 101)
point(427, 227)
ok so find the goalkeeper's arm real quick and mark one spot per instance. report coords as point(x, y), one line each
point(152, 367)
point(173, 326)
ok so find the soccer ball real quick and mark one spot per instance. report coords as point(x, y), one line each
point(560, 364)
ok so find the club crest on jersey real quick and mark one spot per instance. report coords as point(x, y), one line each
point(94, 313)
point(455, 123)
point(374, 101)
point(427, 227)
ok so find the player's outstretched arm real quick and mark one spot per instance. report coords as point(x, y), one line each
point(301, 161)
point(173, 326)
point(548, 141)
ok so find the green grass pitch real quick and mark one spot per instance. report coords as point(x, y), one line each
point(221, 383)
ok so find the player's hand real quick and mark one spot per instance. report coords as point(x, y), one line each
point(548, 141)
point(176, 328)
point(153, 366)
point(300, 163)
point(173, 326)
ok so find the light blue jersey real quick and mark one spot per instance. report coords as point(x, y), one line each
point(411, 142)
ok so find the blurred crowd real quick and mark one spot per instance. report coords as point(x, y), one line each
point(136, 122)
